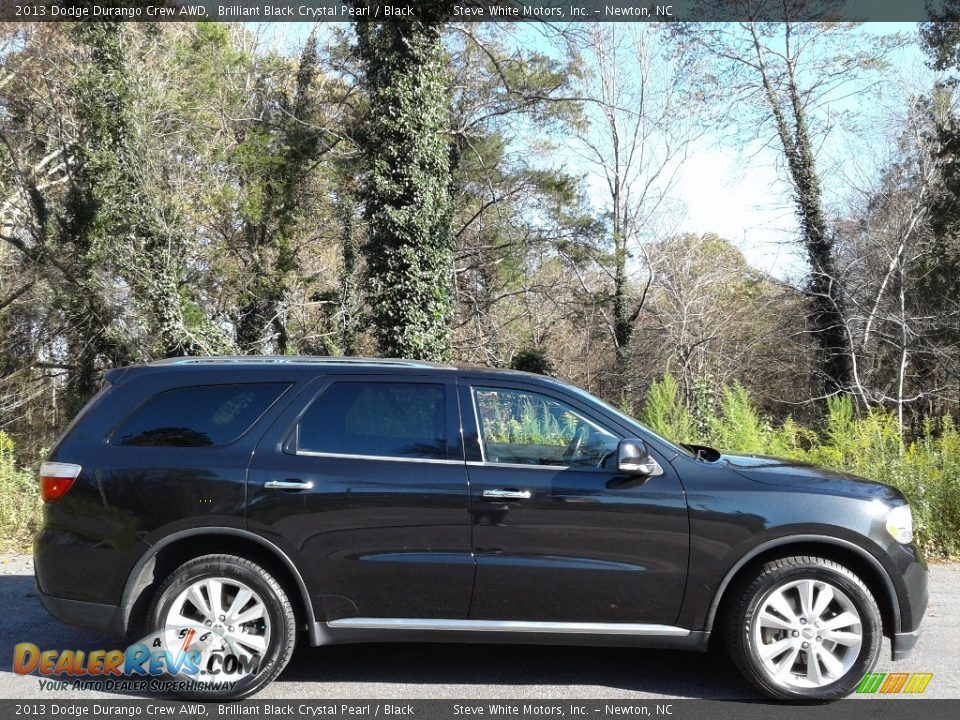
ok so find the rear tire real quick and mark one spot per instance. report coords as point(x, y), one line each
point(803, 628)
point(235, 614)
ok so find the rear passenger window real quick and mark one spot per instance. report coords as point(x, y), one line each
point(198, 416)
point(402, 420)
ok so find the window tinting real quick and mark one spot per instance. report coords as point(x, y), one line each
point(526, 428)
point(199, 416)
point(406, 420)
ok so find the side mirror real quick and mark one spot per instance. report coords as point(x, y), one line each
point(634, 458)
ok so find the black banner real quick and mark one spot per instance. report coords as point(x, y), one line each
point(472, 10)
point(851, 709)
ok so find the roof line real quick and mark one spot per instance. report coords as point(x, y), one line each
point(296, 360)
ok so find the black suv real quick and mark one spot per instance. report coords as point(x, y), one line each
point(229, 505)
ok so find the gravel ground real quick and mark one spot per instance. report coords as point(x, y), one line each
point(418, 671)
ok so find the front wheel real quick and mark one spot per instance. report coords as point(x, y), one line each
point(230, 619)
point(804, 628)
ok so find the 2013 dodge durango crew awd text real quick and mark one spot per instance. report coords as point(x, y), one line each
point(253, 502)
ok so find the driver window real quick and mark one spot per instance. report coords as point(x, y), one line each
point(526, 428)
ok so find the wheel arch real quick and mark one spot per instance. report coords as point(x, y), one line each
point(854, 557)
point(179, 547)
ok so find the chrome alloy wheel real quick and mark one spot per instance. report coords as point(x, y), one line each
point(226, 621)
point(807, 634)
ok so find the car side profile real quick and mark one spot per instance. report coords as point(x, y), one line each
point(232, 507)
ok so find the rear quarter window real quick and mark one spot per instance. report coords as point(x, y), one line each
point(197, 416)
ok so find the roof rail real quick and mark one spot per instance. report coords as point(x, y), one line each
point(296, 360)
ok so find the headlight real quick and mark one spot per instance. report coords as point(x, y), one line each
point(900, 524)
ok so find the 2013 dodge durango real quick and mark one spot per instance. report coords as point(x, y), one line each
point(231, 507)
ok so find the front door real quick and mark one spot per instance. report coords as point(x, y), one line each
point(365, 486)
point(558, 534)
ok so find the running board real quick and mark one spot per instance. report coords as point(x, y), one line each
point(509, 626)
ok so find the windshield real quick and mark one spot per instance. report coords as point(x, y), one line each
point(631, 421)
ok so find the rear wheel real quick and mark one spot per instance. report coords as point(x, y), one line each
point(804, 628)
point(235, 620)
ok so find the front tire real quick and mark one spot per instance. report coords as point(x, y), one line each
point(804, 628)
point(234, 615)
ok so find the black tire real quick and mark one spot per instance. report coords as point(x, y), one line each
point(746, 603)
point(276, 604)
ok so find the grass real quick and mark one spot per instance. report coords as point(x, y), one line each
point(19, 501)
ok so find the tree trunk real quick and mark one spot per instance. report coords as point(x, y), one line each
point(826, 315)
point(406, 152)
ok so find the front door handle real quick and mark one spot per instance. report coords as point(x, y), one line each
point(288, 484)
point(508, 494)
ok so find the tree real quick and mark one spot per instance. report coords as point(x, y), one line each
point(941, 36)
point(709, 315)
point(140, 227)
point(515, 213)
point(282, 146)
point(901, 306)
point(406, 155)
point(50, 221)
point(532, 361)
point(779, 75)
point(638, 128)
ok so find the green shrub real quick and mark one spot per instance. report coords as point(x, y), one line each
point(925, 468)
point(512, 417)
point(19, 501)
point(533, 361)
point(738, 426)
point(666, 414)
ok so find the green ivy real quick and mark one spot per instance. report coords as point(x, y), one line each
point(406, 192)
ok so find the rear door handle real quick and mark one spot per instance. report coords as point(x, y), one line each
point(288, 484)
point(508, 494)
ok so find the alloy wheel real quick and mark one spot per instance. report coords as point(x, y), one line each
point(807, 634)
point(226, 621)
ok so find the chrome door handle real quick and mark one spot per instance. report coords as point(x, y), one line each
point(288, 484)
point(508, 494)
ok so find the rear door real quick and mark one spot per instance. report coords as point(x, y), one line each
point(364, 484)
point(558, 533)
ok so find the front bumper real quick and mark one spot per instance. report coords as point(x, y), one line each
point(93, 616)
point(902, 644)
point(910, 577)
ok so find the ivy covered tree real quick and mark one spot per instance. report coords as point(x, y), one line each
point(123, 221)
point(111, 220)
point(774, 76)
point(405, 145)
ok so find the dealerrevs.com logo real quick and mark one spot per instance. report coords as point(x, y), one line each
point(171, 660)
point(893, 683)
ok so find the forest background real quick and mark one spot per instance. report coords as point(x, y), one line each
point(501, 195)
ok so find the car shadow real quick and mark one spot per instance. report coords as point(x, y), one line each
point(418, 670)
point(23, 619)
point(463, 669)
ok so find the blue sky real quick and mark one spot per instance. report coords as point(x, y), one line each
point(740, 192)
point(743, 196)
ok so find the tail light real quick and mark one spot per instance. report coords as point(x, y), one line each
point(55, 479)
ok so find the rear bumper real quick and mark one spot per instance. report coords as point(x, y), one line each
point(80, 613)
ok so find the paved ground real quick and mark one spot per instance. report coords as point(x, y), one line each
point(481, 671)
